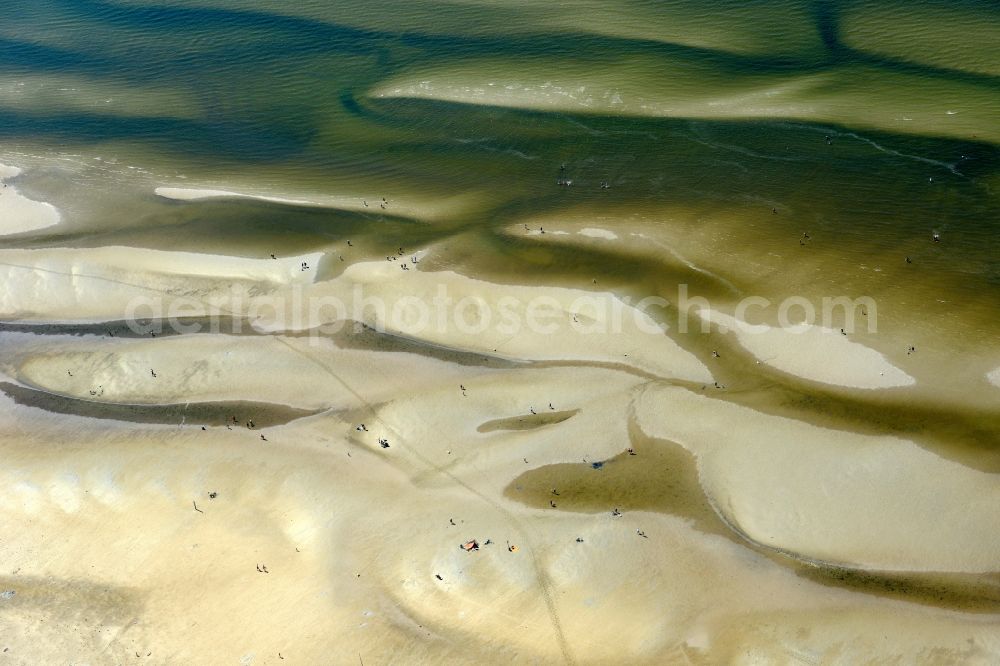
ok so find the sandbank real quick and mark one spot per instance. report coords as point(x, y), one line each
point(413, 207)
point(18, 213)
point(196, 194)
point(810, 491)
point(109, 283)
point(813, 352)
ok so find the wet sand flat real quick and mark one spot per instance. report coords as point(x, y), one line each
point(499, 332)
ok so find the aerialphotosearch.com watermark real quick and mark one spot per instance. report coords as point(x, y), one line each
point(313, 314)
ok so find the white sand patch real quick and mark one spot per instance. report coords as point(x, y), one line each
point(598, 233)
point(108, 283)
point(417, 207)
point(830, 495)
point(815, 353)
point(196, 194)
point(18, 213)
point(994, 377)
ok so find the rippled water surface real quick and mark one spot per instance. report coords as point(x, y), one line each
point(771, 149)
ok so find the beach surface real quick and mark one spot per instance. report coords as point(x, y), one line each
point(434, 332)
point(18, 213)
point(333, 465)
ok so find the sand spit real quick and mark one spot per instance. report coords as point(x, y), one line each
point(196, 194)
point(210, 367)
point(810, 492)
point(815, 353)
point(655, 87)
point(18, 213)
point(569, 324)
point(410, 206)
point(111, 283)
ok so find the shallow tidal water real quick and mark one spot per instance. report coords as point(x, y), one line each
point(713, 150)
